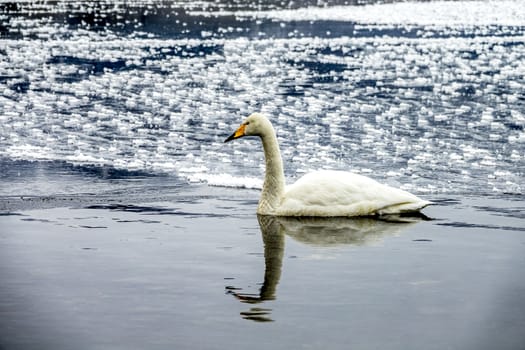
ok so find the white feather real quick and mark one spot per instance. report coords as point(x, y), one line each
point(340, 193)
point(320, 193)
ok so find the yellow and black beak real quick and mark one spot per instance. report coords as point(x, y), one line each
point(238, 133)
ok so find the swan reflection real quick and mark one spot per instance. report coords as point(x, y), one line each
point(321, 232)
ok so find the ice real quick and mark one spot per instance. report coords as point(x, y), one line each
point(422, 108)
point(445, 13)
point(519, 138)
point(227, 180)
point(440, 118)
point(487, 117)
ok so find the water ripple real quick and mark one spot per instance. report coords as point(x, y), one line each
point(430, 107)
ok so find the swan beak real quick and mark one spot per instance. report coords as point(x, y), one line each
point(238, 133)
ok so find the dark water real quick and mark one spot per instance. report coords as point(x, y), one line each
point(126, 223)
point(201, 271)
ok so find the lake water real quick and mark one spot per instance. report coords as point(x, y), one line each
point(126, 222)
point(425, 96)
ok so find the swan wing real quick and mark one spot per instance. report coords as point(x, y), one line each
point(339, 193)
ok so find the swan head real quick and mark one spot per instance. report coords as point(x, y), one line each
point(255, 125)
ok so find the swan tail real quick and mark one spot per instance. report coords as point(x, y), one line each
point(402, 208)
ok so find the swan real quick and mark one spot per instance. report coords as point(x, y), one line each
point(323, 193)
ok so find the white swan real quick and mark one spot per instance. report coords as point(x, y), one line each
point(320, 193)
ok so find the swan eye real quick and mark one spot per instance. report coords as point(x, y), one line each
point(247, 123)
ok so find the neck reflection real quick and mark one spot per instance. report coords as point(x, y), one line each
point(273, 239)
point(319, 232)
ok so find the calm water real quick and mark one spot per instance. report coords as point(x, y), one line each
point(126, 223)
point(201, 271)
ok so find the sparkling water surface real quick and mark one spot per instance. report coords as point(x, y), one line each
point(127, 223)
point(421, 95)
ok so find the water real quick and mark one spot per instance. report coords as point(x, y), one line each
point(422, 98)
point(126, 222)
point(201, 271)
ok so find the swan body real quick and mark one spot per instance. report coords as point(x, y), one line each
point(341, 193)
point(322, 193)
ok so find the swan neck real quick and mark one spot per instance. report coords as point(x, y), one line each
point(273, 187)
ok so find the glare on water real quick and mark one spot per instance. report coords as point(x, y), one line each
point(421, 99)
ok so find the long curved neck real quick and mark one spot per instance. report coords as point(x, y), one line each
point(273, 187)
